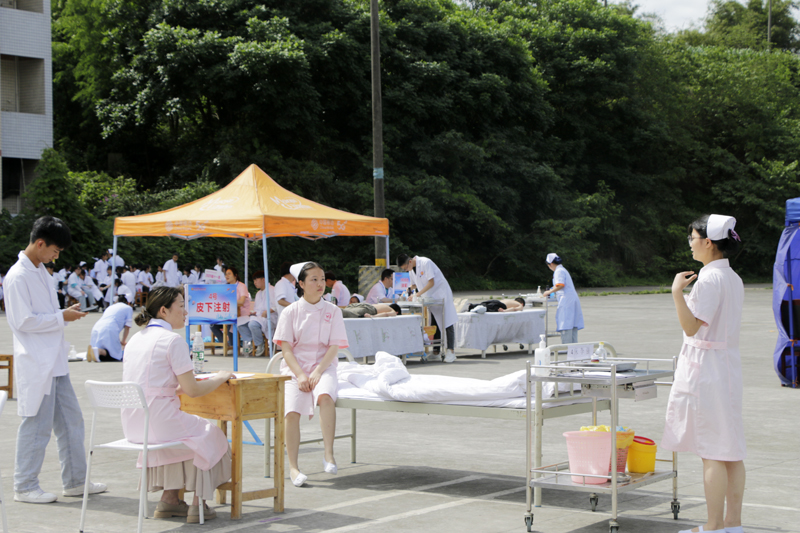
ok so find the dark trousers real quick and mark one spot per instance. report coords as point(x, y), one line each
point(450, 332)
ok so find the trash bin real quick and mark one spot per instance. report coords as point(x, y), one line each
point(589, 452)
point(642, 456)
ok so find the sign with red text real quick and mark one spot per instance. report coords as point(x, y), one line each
point(209, 304)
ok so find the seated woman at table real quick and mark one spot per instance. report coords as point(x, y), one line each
point(501, 306)
point(365, 310)
point(310, 332)
point(158, 359)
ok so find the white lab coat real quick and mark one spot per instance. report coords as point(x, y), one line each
point(284, 290)
point(378, 292)
point(116, 261)
point(427, 270)
point(172, 278)
point(704, 412)
point(261, 306)
point(100, 268)
point(145, 279)
point(40, 349)
point(341, 293)
point(129, 280)
point(568, 313)
point(90, 287)
point(74, 286)
point(194, 277)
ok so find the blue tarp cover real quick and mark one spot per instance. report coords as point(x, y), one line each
point(786, 305)
point(792, 211)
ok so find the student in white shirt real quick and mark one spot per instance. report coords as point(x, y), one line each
point(91, 289)
point(172, 276)
point(129, 279)
point(145, 280)
point(220, 266)
point(57, 281)
point(104, 281)
point(197, 275)
point(46, 400)
point(75, 289)
point(120, 289)
point(258, 316)
point(115, 260)
point(338, 290)
point(159, 278)
point(285, 294)
point(100, 266)
point(382, 292)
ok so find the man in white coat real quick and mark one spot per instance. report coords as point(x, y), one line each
point(382, 291)
point(431, 283)
point(285, 293)
point(172, 276)
point(100, 266)
point(47, 401)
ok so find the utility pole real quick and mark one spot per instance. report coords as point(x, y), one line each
point(377, 128)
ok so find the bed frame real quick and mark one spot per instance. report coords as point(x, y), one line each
point(498, 413)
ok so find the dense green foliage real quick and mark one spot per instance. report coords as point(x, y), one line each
point(512, 128)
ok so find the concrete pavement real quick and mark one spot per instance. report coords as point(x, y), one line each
point(434, 473)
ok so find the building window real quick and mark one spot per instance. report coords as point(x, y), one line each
point(35, 6)
point(22, 84)
point(18, 174)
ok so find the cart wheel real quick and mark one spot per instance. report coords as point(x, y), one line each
point(593, 500)
point(529, 522)
point(613, 529)
point(505, 347)
point(521, 346)
point(676, 508)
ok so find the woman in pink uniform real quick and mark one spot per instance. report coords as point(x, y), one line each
point(310, 332)
point(158, 359)
point(704, 413)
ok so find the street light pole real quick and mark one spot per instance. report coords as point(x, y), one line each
point(377, 127)
point(769, 26)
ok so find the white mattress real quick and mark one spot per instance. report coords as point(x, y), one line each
point(399, 335)
point(480, 331)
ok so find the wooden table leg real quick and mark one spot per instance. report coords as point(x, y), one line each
point(236, 469)
point(280, 438)
point(222, 495)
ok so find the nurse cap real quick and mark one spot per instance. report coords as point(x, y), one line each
point(359, 297)
point(551, 258)
point(295, 269)
point(111, 251)
point(719, 226)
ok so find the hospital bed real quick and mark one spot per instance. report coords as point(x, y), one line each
point(480, 331)
point(400, 335)
point(563, 403)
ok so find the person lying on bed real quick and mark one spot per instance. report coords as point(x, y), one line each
point(310, 332)
point(365, 310)
point(501, 306)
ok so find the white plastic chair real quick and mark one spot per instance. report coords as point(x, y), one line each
point(3, 398)
point(123, 395)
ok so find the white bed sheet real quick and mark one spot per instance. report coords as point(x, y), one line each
point(399, 335)
point(480, 331)
point(388, 379)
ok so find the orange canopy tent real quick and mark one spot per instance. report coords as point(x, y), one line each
point(252, 207)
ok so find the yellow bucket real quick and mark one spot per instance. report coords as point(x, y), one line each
point(642, 456)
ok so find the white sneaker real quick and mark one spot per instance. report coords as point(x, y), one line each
point(94, 488)
point(434, 357)
point(35, 496)
point(260, 351)
point(248, 348)
point(450, 357)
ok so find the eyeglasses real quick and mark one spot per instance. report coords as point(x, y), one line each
point(692, 237)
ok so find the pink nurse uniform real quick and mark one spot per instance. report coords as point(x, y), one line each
point(154, 358)
point(704, 413)
point(310, 329)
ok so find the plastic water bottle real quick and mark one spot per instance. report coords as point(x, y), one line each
point(539, 291)
point(72, 353)
point(600, 353)
point(541, 357)
point(198, 352)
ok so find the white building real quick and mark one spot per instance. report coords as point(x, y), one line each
point(26, 94)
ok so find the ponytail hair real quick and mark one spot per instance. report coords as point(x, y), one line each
point(729, 246)
point(302, 276)
point(156, 299)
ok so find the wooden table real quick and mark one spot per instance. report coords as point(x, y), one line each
point(253, 398)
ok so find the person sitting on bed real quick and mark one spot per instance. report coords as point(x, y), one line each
point(365, 310)
point(310, 332)
point(501, 306)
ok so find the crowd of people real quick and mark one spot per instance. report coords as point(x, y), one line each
point(704, 413)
